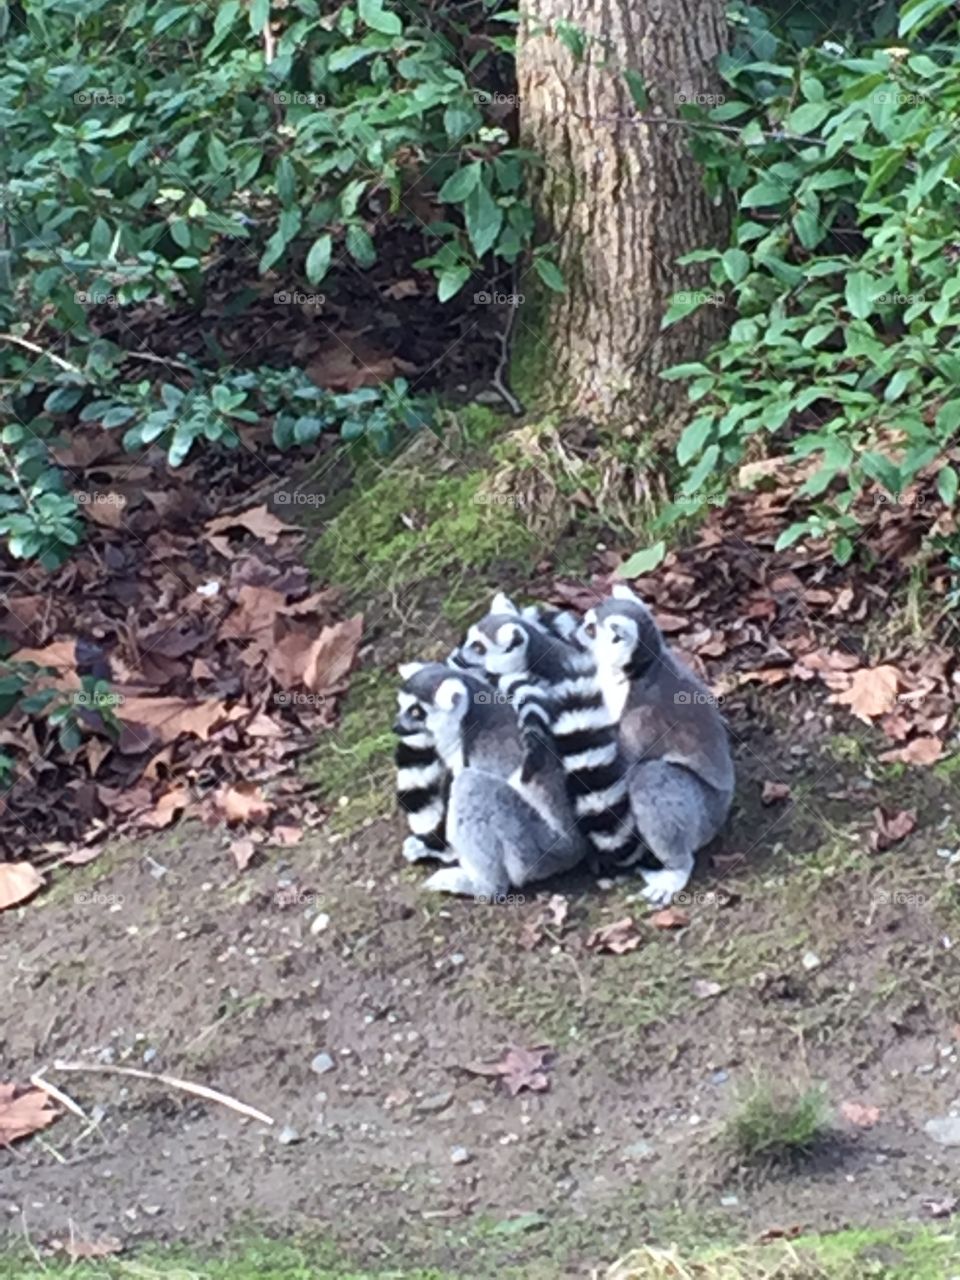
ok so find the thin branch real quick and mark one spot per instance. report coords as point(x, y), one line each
point(172, 1082)
point(64, 1099)
point(147, 355)
point(32, 346)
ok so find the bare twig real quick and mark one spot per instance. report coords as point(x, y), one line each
point(498, 380)
point(64, 1099)
point(269, 43)
point(32, 346)
point(172, 1082)
point(146, 355)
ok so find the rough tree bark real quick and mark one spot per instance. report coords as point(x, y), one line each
point(621, 199)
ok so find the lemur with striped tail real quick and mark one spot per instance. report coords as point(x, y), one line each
point(509, 819)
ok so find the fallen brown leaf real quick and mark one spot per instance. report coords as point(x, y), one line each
point(891, 826)
point(941, 1208)
point(242, 802)
point(552, 915)
point(669, 918)
point(287, 836)
point(860, 1114)
point(18, 881)
point(166, 809)
point(319, 666)
point(258, 521)
point(618, 938)
point(872, 692)
point(243, 851)
point(24, 1112)
point(167, 718)
point(774, 791)
point(923, 751)
point(77, 1248)
point(518, 1069)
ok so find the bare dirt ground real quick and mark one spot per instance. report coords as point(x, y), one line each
point(821, 961)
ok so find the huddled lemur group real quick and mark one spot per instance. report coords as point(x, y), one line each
point(543, 741)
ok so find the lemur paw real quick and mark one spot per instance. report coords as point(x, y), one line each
point(660, 886)
point(416, 850)
point(451, 880)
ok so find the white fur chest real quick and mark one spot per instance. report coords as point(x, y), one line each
point(614, 686)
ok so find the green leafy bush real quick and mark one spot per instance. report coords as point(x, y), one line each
point(843, 270)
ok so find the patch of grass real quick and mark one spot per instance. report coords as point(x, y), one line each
point(774, 1121)
point(918, 1253)
point(264, 1260)
point(354, 759)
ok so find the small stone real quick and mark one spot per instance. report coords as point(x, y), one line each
point(149, 1055)
point(810, 961)
point(641, 1150)
point(729, 1202)
point(288, 1135)
point(435, 1101)
point(459, 1155)
point(458, 958)
point(478, 1107)
point(319, 923)
point(945, 1130)
point(322, 1063)
point(719, 1077)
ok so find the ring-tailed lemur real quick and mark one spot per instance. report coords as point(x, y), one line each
point(561, 681)
point(509, 820)
point(674, 739)
point(423, 780)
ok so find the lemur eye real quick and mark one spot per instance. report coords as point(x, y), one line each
point(478, 646)
point(590, 628)
point(417, 712)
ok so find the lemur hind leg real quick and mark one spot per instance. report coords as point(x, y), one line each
point(501, 841)
point(676, 814)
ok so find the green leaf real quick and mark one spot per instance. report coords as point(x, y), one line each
point(793, 533)
point(948, 419)
point(693, 438)
point(642, 562)
point(452, 281)
point(736, 264)
point(765, 193)
point(807, 117)
point(702, 470)
point(360, 246)
point(638, 89)
point(550, 274)
point(917, 14)
point(259, 15)
point(484, 218)
point(947, 485)
point(459, 185)
point(318, 259)
point(810, 230)
point(377, 19)
point(860, 292)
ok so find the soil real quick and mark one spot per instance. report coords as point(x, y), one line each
point(831, 964)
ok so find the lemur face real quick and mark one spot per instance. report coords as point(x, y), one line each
point(433, 700)
point(622, 633)
point(499, 643)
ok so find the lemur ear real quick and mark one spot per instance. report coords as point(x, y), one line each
point(408, 669)
point(450, 693)
point(622, 592)
point(503, 604)
point(509, 636)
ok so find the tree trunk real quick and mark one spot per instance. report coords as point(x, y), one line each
point(621, 199)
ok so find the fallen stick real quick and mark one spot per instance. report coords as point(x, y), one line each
point(172, 1082)
point(64, 1099)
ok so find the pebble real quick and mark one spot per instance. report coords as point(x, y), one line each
point(149, 1055)
point(810, 961)
point(322, 1063)
point(640, 1150)
point(320, 922)
point(435, 1101)
point(729, 1202)
point(945, 1130)
point(288, 1135)
point(459, 1155)
point(719, 1077)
